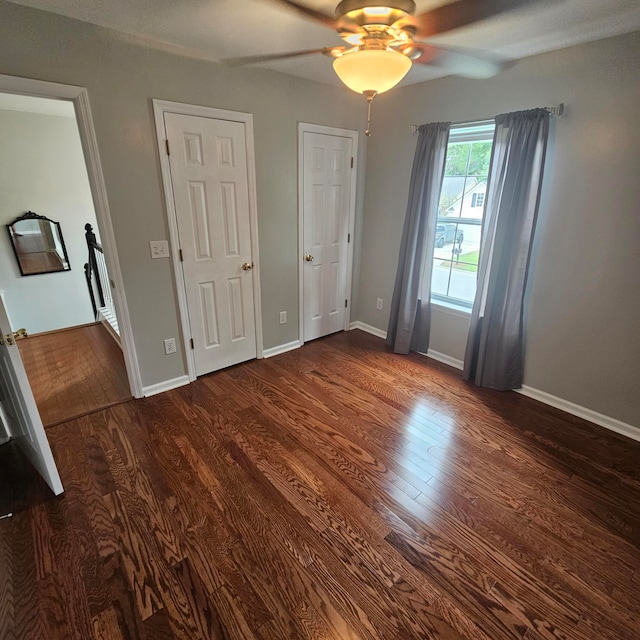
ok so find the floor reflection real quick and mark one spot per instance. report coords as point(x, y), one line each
point(426, 439)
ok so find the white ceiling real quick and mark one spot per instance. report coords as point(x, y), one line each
point(215, 29)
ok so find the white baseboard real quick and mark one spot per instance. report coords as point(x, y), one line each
point(281, 348)
point(582, 412)
point(111, 325)
point(369, 329)
point(559, 403)
point(166, 385)
point(444, 358)
point(542, 396)
point(440, 357)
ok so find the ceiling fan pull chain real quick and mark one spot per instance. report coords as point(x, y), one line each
point(370, 95)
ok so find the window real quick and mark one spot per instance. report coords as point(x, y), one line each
point(460, 212)
point(477, 200)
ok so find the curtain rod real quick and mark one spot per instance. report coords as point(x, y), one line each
point(558, 110)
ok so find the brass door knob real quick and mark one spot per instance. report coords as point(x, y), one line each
point(308, 257)
point(10, 338)
point(247, 266)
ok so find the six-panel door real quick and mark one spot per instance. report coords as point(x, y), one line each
point(326, 187)
point(208, 163)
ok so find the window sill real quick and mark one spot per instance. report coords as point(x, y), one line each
point(451, 309)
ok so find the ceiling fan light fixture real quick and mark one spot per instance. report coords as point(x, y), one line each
point(377, 11)
point(373, 6)
point(371, 70)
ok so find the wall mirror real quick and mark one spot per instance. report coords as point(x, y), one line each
point(38, 244)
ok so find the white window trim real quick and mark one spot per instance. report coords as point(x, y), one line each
point(450, 308)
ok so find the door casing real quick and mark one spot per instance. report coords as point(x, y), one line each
point(303, 128)
point(80, 98)
point(160, 107)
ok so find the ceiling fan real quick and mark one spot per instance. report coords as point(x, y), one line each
point(383, 38)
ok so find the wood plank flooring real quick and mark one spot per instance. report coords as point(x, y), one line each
point(74, 372)
point(333, 492)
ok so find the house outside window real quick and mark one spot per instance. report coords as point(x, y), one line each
point(460, 214)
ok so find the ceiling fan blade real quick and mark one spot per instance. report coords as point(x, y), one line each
point(237, 62)
point(461, 62)
point(461, 13)
point(318, 16)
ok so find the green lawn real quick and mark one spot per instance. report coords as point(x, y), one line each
point(466, 261)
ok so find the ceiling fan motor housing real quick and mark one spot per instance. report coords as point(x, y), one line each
point(376, 24)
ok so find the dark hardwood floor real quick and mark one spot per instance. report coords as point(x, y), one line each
point(74, 371)
point(334, 492)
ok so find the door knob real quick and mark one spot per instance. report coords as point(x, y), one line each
point(308, 257)
point(247, 266)
point(10, 338)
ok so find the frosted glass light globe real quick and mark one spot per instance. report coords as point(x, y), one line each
point(372, 70)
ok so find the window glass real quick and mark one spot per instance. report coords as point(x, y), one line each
point(460, 213)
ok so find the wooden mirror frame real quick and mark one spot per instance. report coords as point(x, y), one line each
point(50, 249)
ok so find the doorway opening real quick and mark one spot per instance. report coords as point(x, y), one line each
point(79, 359)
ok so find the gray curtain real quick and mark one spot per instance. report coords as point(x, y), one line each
point(494, 353)
point(409, 322)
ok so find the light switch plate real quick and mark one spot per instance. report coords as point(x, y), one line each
point(159, 248)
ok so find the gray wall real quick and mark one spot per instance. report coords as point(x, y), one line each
point(42, 169)
point(582, 340)
point(122, 78)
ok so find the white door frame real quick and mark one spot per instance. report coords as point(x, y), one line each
point(80, 98)
point(160, 107)
point(303, 128)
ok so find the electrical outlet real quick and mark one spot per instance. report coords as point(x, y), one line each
point(379, 304)
point(159, 248)
point(283, 317)
point(169, 346)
